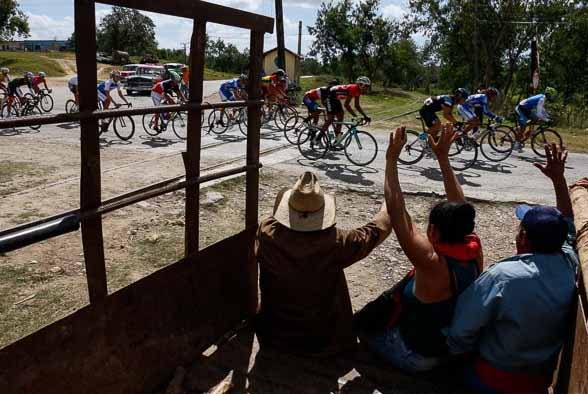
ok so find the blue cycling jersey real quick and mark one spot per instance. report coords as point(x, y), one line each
point(479, 101)
point(107, 86)
point(230, 86)
point(531, 103)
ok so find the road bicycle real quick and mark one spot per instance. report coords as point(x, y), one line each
point(123, 126)
point(360, 147)
point(280, 112)
point(539, 137)
point(463, 153)
point(27, 106)
point(296, 125)
point(71, 107)
point(220, 120)
point(178, 120)
point(45, 100)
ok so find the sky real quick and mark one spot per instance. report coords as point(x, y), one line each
point(53, 19)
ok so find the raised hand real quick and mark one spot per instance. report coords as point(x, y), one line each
point(556, 162)
point(397, 141)
point(443, 144)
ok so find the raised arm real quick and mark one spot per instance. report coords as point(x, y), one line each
point(554, 169)
point(415, 245)
point(453, 189)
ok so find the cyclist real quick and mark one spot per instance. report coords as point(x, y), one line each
point(4, 78)
point(185, 86)
point(104, 92)
point(163, 90)
point(14, 90)
point(233, 90)
point(40, 79)
point(346, 92)
point(312, 96)
point(274, 86)
point(481, 100)
point(72, 84)
point(444, 104)
point(532, 110)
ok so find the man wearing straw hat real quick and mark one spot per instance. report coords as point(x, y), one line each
point(305, 303)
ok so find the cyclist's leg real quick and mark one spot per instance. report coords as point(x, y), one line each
point(431, 120)
point(338, 111)
point(156, 98)
point(469, 116)
point(522, 121)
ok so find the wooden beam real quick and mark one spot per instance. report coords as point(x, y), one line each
point(90, 187)
point(193, 144)
point(579, 196)
point(195, 9)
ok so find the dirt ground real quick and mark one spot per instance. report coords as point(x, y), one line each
point(45, 282)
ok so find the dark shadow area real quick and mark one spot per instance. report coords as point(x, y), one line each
point(69, 126)
point(498, 167)
point(158, 142)
point(104, 143)
point(343, 172)
point(464, 178)
point(11, 132)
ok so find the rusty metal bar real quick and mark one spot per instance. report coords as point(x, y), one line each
point(90, 187)
point(103, 114)
point(195, 9)
point(115, 203)
point(194, 142)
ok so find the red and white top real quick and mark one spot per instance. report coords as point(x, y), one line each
point(344, 91)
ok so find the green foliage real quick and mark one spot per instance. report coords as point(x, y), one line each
point(172, 56)
point(126, 30)
point(13, 22)
point(311, 66)
point(225, 57)
point(19, 62)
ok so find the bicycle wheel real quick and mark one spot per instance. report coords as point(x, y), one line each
point(124, 127)
point(282, 115)
point(313, 146)
point(70, 107)
point(180, 125)
point(362, 148)
point(148, 122)
point(32, 110)
point(543, 137)
point(46, 102)
point(4, 113)
point(218, 121)
point(292, 128)
point(463, 153)
point(414, 149)
point(496, 145)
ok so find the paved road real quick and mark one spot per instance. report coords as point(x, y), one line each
point(515, 179)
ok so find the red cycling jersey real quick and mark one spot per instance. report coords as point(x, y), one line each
point(37, 80)
point(344, 91)
point(314, 94)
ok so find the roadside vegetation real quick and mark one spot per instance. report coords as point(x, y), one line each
point(19, 62)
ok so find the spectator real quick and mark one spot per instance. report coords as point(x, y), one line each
point(446, 259)
point(514, 316)
point(305, 303)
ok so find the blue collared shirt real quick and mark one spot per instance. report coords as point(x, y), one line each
point(516, 313)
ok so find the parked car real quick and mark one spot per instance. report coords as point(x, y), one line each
point(177, 67)
point(127, 71)
point(144, 78)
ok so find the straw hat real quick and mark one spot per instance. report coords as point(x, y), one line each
point(305, 207)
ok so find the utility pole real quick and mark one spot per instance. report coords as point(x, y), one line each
point(299, 59)
point(185, 45)
point(280, 34)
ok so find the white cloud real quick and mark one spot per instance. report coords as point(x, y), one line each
point(44, 27)
point(394, 11)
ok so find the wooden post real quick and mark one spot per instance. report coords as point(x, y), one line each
point(90, 186)
point(299, 60)
point(280, 35)
point(193, 144)
point(579, 197)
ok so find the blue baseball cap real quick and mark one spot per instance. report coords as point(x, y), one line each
point(545, 226)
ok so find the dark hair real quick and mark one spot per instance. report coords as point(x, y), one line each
point(453, 220)
point(541, 242)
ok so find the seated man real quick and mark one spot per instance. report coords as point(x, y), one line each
point(515, 316)
point(305, 304)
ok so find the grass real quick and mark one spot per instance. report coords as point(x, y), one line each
point(211, 75)
point(19, 62)
point(15, 170)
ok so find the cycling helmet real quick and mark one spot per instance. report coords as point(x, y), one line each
point(492, 91)
point(174, 76)
point(114, 73)
point(42, 74)
point(334, 82)
point(4, 70)
point(243, 77)
point(29, 75)
point(364, 81)
point(461, 92)
point(550, 92)
point(280, 73)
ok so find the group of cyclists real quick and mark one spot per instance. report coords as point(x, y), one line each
point(13, 87)
point(334, 98)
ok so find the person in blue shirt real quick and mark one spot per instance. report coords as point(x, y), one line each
point(233, 90)
point(478, 102)
point(514, 317)
point(532, 110)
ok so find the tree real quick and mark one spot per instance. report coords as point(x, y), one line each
point(71, 42)
point(126, 30)
point(13, 22)
point(225, 57)
point(311, 66)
